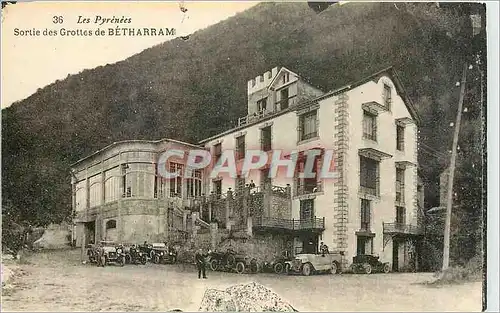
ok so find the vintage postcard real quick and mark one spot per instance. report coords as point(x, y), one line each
point(249, 156)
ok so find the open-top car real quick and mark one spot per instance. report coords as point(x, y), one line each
point(163, 253)
point(111, 252)
point(134, 255)
point(308, 264)
point(230, 260)
point(368, 264)
point(277, 264)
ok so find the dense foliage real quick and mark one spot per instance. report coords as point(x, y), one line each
point(190, 89)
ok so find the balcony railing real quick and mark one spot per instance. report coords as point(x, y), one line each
point(290, 224)
point(401, 228)
point(252, 117)
point(308, 188)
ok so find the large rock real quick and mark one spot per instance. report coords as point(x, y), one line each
point(54, 237)
point(251, 297)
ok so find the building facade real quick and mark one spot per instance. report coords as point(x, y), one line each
point(371, 206)
point(119, 196)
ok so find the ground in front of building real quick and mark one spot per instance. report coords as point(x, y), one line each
point(57, 281)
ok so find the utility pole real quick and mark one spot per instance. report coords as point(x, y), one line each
point(449, 202)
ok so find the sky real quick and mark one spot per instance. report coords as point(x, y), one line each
point(32, 62)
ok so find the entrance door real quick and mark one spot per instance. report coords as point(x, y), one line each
point(89, 232)
point(395, 255)
point(310, 244)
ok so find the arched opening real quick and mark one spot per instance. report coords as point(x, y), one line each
point(111, 224)
point(111, 233)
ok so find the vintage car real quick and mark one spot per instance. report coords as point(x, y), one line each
point(133, 255)
point(232, 261)
point(164, 254)
point(308, 264)
point(220, 260)
point(111, 253)
point(277, 264)
point(368, 264)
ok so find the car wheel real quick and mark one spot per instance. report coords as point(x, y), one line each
point(144, 260)
point(306, 269)
point(387, 268)
point(335, 268)
point(240, 267)
point(121, 261)
point(214, 264)
point(368, 268)
point(157, 259)
point(278, 268)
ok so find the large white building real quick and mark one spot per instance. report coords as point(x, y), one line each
point(370, 207)
point(371, 125)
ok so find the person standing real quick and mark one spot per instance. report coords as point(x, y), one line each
point(200, 263)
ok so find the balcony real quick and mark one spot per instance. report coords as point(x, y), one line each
point(267, 223)
point(401, 229)
point(306, 188)
point(252, 117)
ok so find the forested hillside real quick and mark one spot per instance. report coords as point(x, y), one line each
point(194, 88)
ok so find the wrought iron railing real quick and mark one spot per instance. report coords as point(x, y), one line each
point(308, 188)
point(401, 228)
point(290, 224)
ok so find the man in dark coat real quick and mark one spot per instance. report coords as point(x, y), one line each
point(199, 258)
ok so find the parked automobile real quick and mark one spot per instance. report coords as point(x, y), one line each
point(111, 253)
point(368, 264)
point(277, 265)
point(164, 254)
point(147, 249)
point(133, 255)
point(308, 264)
point(219, 260)
point(232, 261)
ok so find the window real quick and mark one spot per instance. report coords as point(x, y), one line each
point(262, 104)
point(369, 126)
point(365, 215)
point(217, 152)
point(308, 125)
point(176, 182)
point(264, 177)
point(239, 184)
point(400, 185)
point(307, 209)
point(217, 188)
point(400, 137)
point(124, 168)
point(286, 77)
point(284, 99)
point(369, 176)
point(387, 96)
point(111, 224)
point(193, 184)
point(306, 185)
point(400, 215)
point(240, 147)
point(265, 135)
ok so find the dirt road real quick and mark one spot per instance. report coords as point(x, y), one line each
point(56, 281)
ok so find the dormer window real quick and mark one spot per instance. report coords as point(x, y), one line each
point(262, 104)
point(387, 96)
point(286, 77)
